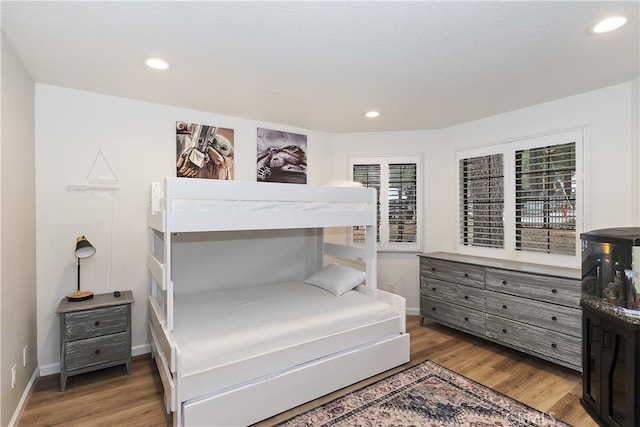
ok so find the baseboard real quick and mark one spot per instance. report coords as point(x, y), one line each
point(54, 368)
point(140, 349)
point(24, 398)
point(412, 311)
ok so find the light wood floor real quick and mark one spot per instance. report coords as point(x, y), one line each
point(112, 398)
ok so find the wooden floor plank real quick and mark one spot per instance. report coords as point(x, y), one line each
point(111, 398)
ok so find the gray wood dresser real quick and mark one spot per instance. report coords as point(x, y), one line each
point(529, 307)
point(94, 334)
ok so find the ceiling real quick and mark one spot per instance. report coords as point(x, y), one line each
point(322, 64)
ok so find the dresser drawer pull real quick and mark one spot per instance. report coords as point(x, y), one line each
point(504, 331)
point(466, 274)
point(433, 269)
point(554, 318)
point(466, 297)
point(554, 291)
point(97, 352)
point(96, 323)
point(504, 282)
point(553, 345)
point(504, 306)
point(466, 319)
point(433, 309)
point(433, 289)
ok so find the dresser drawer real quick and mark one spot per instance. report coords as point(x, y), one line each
point(545, 315)
point(465, 274)
point(93, 323)
point(550, 345)
point(556, 290)
point(467, 296)
point(453, 315)
point(96, 351)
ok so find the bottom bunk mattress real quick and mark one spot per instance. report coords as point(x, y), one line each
point(216, 328)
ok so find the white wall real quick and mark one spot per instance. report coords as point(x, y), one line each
point(138, 141)
point(17, 234)
point(611, 169)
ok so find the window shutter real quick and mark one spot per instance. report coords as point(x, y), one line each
point(546, 199)
point(368, 176)
point(402, 203)
point(482, 201)
point(398, 184)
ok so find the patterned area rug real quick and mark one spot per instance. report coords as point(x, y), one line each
point(424, 395)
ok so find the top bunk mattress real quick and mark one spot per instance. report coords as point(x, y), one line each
point(215, 328)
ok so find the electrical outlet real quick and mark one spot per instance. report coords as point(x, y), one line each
point(24, 356)
point(13, 376)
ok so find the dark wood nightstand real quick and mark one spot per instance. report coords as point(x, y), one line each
point(94, 334)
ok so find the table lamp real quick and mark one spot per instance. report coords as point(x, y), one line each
point(84, 249)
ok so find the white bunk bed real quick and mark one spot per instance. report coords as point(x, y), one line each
point(284, 352)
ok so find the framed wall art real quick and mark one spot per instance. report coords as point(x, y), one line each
point(282, 156)
point(204, 151)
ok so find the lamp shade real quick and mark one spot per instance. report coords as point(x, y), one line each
point(84, 249)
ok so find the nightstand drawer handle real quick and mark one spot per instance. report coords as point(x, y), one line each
point(466, 297)
point(504, 282)
point(504, 306)
point(466, 319)
point(554, 318)
point(554, 291)
point(504, 331)
point(553, 345)
point(466, 274)
point(433, 309)
point(96, 323)
point(433, 269)
point(433, 289)
point(97, 352)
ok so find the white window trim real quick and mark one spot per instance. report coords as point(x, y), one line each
point(384, 245)
point(508, 150)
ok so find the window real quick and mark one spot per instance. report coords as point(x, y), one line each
point(482, 201)
point(522, 197)
point(546, 199)
point(397, 181)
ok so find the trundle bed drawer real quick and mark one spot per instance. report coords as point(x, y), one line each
point(554, 346)
point(465, 274)
point(453, 315)
point(467, 296)
point(556, 318)
point(556, 290)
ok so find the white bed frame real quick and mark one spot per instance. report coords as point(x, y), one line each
point(252, 389)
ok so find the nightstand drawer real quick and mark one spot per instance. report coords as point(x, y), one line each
point(467, 296)
point(465, 274)
point(96, 351)
point(94, 323)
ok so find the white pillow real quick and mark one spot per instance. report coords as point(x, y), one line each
point(336, 278)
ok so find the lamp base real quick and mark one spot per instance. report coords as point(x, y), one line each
point(80, 296)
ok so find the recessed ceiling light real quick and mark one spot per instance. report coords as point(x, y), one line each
point(372, 114)
point(609, 24)
point(156, 64)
